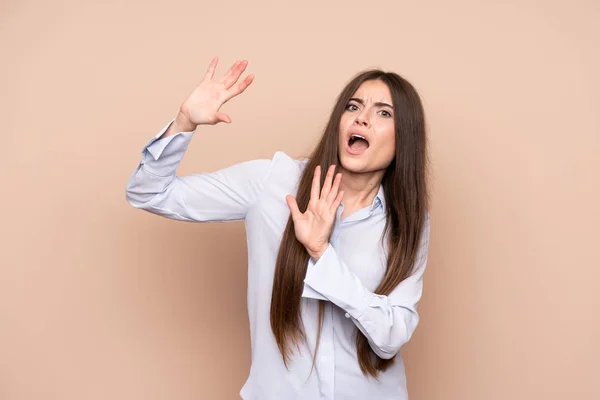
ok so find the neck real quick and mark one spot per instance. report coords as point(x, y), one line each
point(359, 189)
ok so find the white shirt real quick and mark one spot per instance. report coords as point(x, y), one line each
point(345, 276)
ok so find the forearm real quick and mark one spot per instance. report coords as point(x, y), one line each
point(149, 185)
point(387, 321)
point(181, 123)
point(222, 195)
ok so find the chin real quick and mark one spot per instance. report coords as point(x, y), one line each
point(354, 164)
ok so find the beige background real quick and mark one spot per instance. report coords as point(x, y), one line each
point(101, 301)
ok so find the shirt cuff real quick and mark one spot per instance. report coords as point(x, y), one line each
point(309, 292)
point(330, 277)
point(161, 156)
point(156, 146)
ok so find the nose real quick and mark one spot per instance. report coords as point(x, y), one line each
point(361, 120)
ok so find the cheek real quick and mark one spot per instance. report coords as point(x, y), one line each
point(387, 143)
point(344, 121)
point(387, 136)
point(343, 127)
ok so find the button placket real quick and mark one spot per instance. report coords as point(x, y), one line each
point(328, 358)
point(327, 355)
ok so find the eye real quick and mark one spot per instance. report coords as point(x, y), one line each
point(385, 113)
point(351, 107)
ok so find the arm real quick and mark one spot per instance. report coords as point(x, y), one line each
point(388, 322)
point(224, 195)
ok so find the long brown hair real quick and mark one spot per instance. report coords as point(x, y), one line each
point(404, 184)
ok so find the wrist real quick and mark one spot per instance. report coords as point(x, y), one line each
point(183, 123)
point(318, 252)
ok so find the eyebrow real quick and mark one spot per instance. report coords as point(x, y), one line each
point(378, 104)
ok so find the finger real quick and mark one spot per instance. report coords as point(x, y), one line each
point(211, 68)
point(335, 188)
point(327, 184)
point(235, 74)
point(229, 72)
point(240, 87)
point(337, 202)
point(223, 117)
point(316, 184)
point(293, 205)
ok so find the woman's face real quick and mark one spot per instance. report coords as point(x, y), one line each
point(367, 140)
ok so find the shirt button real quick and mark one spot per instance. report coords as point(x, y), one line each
point(347, 315)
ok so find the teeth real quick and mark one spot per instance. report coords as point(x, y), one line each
point(358, 136)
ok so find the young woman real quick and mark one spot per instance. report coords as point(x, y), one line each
point(337, 243)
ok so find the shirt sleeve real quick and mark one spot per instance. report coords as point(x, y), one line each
point(389, 321)
point(223, 195)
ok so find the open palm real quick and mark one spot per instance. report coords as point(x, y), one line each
point(203, 104)
point(313, 227)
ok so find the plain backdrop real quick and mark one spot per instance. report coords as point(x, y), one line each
point(102, 301)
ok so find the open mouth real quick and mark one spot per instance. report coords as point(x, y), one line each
point(357, 144)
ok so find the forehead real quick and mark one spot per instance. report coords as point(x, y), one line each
point(373, 91)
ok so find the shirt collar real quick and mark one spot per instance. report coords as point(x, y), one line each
point(379, 199)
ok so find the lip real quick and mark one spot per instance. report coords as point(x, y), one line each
point(357, 132)
point(354, 152)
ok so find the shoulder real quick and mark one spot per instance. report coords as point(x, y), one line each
point(282, 174)
point(285, 166)
point(266, 168)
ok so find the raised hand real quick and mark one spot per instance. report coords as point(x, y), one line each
point(203, 104)
point(313, 227)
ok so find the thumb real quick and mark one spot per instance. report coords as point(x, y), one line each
point(223, 117)
point(293, 205)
